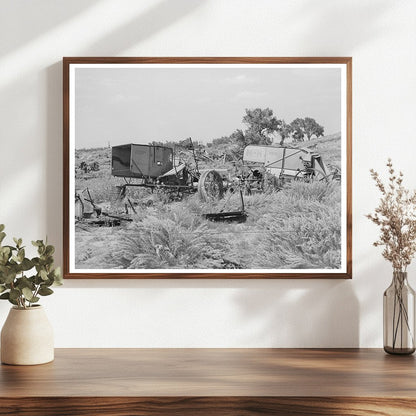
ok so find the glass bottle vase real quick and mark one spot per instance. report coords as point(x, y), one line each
point(399, 316)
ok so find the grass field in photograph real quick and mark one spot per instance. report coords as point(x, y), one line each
point(295, 227)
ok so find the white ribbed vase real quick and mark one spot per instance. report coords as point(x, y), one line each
point(27, 337)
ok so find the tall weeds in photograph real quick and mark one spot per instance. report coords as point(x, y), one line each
point(396, 218)
point(303, 231)
point(174, 241)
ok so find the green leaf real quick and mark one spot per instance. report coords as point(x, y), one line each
point(48, 260)
point(18, 242)
point(24, 282)
point(9, 277)
point(43, 274)
point(2, 236)
point(5, 295)
point(28, 294)
point(21, 255)
point(5, 250)
point(15, 294)
point(49, 250)
point(58, 280)
point(38, 280)
point(11, 248)
point(2, 227)
point(13, 302)
point(26, 264)
point(2, 288)
point(45, 291)
point(37, 243)
point(35, 261)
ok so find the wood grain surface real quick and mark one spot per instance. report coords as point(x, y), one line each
point(212, 381)
point(208, 406)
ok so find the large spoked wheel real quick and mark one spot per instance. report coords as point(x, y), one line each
point(210, 186)
point(310, 175)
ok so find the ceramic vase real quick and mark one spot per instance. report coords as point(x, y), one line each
point(27, 337)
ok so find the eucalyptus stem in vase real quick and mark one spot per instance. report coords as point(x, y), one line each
point(396, 218)
point(27, 335)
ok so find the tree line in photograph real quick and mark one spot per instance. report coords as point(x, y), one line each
point(262, 128)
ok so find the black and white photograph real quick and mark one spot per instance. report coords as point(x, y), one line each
point(211, 168)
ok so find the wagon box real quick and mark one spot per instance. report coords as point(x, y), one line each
point(140, 160)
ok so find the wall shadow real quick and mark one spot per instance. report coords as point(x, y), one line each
point(317, 313)
point(155, 19)
point(37, 17)
point(301, 313)
point(347, 25)
point(54, 146)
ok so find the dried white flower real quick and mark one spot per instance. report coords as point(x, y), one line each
point(396, 217)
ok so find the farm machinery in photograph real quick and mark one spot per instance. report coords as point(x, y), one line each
point(263, 168)
point(174, 173)
point(156, 167)
point(269, 168)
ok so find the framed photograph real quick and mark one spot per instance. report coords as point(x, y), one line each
point(207, 168)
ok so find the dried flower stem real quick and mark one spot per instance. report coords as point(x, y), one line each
point(396, 217)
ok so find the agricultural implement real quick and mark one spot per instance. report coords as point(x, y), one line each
point(155, 167)
point(87, 211)
point(270, 167)
point(158, 169)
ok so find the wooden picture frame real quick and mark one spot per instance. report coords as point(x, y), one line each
point(118, 99)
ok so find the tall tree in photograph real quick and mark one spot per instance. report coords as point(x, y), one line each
point(261, 124)
point(312, 128)
point(298, 129)
point(308, 127)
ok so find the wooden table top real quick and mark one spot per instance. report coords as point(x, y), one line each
point(214, 372)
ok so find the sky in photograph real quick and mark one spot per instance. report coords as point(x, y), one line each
point(138, 105)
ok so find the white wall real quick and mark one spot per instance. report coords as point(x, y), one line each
point(380, 35)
